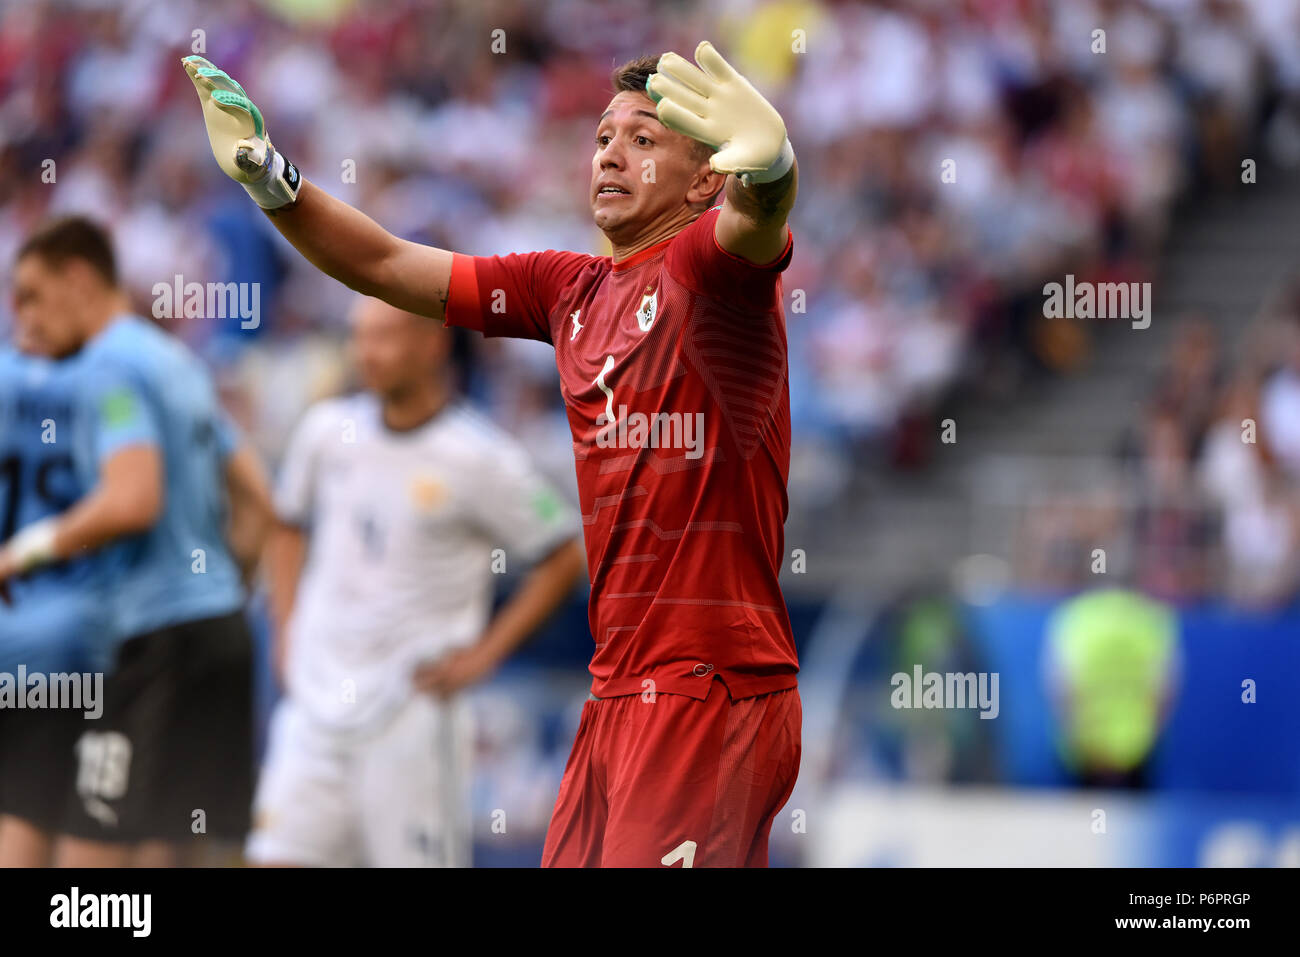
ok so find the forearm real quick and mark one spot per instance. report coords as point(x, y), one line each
point(349, 246)
point(286, 551)
point(752, 223)
point(99, 518)
point(538, 596)
point(245, 536)
point(251, 511)
point(766, 204)
point(127, 499)
point(339, 240)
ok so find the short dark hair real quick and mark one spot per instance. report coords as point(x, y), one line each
point(631, 78)
point(632, 75)
point(72, 237)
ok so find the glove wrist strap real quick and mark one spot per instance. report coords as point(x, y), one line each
point(774, 172)
point(279, 187)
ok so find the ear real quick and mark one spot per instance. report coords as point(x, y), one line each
point(705, 185)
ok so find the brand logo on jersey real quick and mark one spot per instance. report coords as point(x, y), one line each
point(645, 313)
point(577, 328)
point(426, 492)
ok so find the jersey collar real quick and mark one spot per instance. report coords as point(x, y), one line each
point(637, 259)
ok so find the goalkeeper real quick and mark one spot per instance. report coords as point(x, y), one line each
point(672, 360)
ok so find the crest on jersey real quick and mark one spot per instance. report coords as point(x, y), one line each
point(645, 313)
point(426, 492)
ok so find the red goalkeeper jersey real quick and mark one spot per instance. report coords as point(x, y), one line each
point(673, 369)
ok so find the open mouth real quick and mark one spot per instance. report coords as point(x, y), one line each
point(612, 191)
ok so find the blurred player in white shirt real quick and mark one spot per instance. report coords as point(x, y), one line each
point(392, 504)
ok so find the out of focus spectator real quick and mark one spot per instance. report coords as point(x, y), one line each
point(1111, 663)
point(1261, 517)
point(1279, 413)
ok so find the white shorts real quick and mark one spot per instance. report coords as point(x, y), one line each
point(397, 796)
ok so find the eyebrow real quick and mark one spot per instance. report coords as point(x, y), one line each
point(653, 116)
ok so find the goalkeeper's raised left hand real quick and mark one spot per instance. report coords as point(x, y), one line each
point(238, 137)
point(714, 104)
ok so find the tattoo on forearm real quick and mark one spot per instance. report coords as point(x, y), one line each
point(762, 201)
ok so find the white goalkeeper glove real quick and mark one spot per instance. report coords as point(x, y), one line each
point(238, 137)
point(714, 104)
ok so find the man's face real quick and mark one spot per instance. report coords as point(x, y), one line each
point(48, 302)
point(642, 172)
point(394, 350)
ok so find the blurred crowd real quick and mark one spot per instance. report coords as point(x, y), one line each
point(1221, 436)
point(953, 155)
point(1205, 501)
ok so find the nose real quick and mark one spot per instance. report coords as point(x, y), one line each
point(611, 155)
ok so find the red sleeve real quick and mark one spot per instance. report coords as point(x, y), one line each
point(510, 295)
point(695, 259)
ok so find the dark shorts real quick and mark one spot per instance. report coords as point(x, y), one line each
point(172, 757)
point(37, 763)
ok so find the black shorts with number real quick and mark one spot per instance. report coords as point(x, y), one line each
point(37, 763)
point(172, 757)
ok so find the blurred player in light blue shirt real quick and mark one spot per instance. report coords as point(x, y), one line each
point(177, 510)
point(56, 629)
point(147, 389)
point(58, 619)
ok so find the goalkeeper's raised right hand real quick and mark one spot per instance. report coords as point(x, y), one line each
point(238, 137)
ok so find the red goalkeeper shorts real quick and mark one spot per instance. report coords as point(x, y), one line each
point(670, 780)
